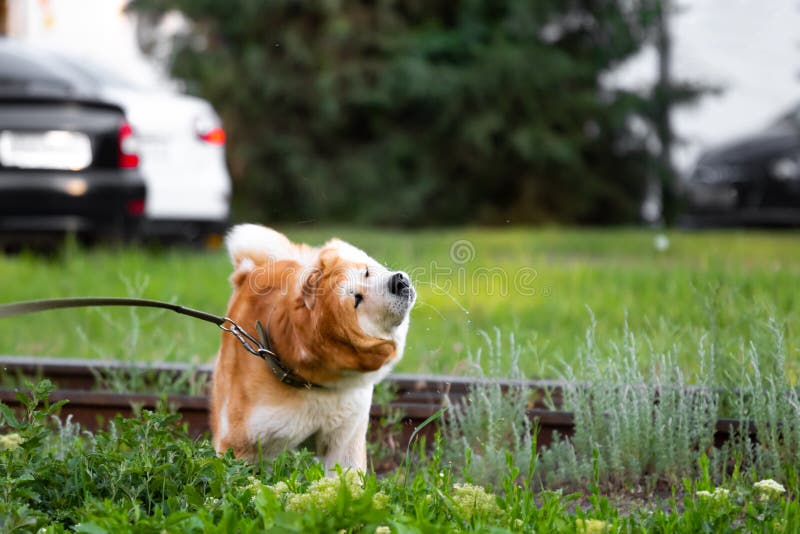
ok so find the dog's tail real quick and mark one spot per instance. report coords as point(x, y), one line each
point(257, 244)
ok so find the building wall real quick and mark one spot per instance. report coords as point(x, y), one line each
point(750, 49)
point(97, 29)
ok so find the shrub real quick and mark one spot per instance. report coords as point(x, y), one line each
point(491, 425)
point(464, 111)
point(632, 427)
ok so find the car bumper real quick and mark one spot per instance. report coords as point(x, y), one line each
point(712, 197)
point(736, 204)
point(744, 217)
point(97, 202)
point(183, 227)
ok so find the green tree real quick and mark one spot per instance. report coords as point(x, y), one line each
point(423, 112)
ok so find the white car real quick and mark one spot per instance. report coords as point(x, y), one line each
point(181, 144)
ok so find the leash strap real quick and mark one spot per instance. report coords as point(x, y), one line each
point(262, 349)
point(33, 306)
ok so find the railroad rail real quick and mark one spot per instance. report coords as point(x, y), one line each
point(415, 397)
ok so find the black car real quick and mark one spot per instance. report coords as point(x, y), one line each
point(67, 159)
point(755, 180)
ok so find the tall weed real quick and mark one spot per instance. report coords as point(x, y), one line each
point(490, 424)
point(637, 426)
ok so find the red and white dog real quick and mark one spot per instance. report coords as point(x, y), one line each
point(335, 317)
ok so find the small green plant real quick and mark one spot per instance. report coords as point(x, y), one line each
point(145, 474)
point(632, 428)
point(639, 428)
point(490, 424)
point(645, 430)
point(767, 404)
point(144, 378)
point(383, 449)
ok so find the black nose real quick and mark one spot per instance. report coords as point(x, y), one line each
point(399, 285)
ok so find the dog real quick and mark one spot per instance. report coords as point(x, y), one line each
point(337, 321)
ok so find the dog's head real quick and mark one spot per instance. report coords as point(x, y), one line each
point(356, 292)
point(348, 312)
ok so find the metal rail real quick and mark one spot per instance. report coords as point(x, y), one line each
point(81, 374)
point(416, 397)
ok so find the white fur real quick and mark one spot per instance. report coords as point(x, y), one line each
point(246, 265)
point(223, 421)
point(257, 243)
point(335, 416)
point(348, 252)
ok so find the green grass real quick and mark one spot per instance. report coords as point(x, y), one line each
point(722, 284)
point(635, 465)
point(146, 475)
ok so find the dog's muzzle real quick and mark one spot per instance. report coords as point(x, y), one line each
point(400, 285)
point(403, 296)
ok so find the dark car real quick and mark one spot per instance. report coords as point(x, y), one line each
point(755, 180)
point(67, 159)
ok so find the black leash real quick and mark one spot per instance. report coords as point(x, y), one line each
point(261, 348)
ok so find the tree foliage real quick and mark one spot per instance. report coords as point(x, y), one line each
point(423, 112)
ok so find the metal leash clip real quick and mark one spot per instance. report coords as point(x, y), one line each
point(251, 344)
point(260, 349)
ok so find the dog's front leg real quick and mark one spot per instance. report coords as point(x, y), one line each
point(345, 446)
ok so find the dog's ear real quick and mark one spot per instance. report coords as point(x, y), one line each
point(312, 277)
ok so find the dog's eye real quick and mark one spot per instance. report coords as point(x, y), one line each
point(366, 273)
point(359, 299)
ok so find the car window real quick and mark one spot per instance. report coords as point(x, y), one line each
point(26, 71)
point(100, 74)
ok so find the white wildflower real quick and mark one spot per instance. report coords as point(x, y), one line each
point(11, 442)
point(769, 487)
point(323, 493)
point(211, 502)
point(280, 489)
point(719, 494)
point(474, 500)
point(591, 526)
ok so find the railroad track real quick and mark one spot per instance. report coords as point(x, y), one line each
point(415, 398)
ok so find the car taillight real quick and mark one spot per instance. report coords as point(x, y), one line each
point(214, 136)
point(135, 207)
point(128, 155)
